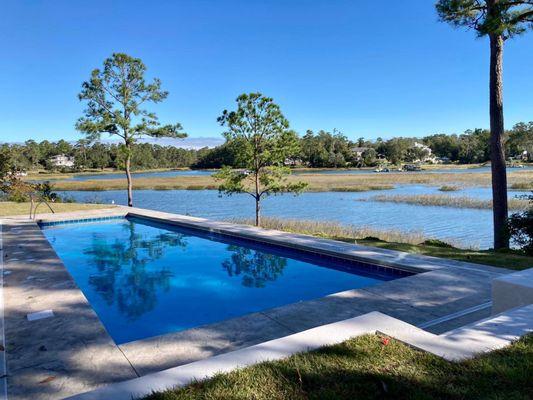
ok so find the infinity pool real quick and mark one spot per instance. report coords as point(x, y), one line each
point(146, 279)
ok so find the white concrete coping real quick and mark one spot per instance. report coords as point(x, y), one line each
point(459, 344)
point(512, 290)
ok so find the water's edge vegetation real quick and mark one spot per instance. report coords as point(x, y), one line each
point(447, 201)
point(410, 242)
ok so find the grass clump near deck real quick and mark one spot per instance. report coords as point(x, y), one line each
point(365, 368)
point(447, 201)
point(410, 242)
point(11, 208)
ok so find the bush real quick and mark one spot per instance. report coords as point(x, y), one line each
point(437, 243)
point(520, 226)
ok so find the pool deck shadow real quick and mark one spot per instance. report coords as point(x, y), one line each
point(72, 352)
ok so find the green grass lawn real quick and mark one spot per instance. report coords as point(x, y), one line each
point(365, 368)
point(510, 259)
point(11, 208)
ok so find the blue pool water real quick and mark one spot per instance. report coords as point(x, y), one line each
point(145, 279)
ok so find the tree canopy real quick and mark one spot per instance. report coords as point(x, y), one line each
point(261, 135)
point(501, 17)
point(115, 97)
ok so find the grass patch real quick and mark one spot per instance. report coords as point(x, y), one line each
point(410, 242)
point(46, 175)
point(333, 230)
point(522, 185)
point(447, 201)
point(448, 188)
point(365, 368)
point(361, 188)
point(12, 208)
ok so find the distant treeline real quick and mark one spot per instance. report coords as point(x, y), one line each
point(317, 150)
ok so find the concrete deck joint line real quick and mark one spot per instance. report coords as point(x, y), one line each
point(277, 322)
point(458, 314)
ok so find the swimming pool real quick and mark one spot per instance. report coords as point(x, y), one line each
point(145, 278)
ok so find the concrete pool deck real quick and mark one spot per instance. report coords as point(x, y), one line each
point(71, 352)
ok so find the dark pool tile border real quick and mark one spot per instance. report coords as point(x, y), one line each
point(45, 224)
point(239, 232)
point(314, 245)
point(306, 255)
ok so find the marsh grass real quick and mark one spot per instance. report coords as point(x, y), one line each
point(203, 183)
point(409, 242)
point(522, 185)
point(446, 201)
point(316, 182)
point(449, 188)
point(333, 230)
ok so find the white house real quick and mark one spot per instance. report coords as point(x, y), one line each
point(62, 160)
point(429, 157)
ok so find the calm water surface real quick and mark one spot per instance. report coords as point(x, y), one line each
point(169, 174)
point(146, 279)
point(468, 226)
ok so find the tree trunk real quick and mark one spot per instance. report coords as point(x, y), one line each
point(497, 150)
point(257, 200)
point(257, 211)
point(128, 176)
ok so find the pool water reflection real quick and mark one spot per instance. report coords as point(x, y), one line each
point(145, 279)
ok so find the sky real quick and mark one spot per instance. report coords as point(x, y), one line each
point(367, 68)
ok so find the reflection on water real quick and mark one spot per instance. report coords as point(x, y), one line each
point(471, 227)
point(255, 267)
point(121, 275)
point(144, 279)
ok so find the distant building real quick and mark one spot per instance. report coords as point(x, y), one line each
point(444, 160)
point(62, 160)
point(429, 157)
point(292, 162)
point(358, 152)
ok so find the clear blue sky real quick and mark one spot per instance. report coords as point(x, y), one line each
point(368, 68)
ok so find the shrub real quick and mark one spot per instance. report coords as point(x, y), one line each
point(436, 243)
point(520, 226)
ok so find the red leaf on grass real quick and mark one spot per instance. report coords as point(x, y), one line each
point(48, 379)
